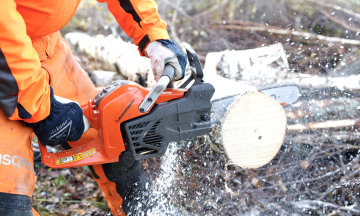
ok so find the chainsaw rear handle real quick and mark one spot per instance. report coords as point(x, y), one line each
point(159, 88)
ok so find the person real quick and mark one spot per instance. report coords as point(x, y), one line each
point(42, 85)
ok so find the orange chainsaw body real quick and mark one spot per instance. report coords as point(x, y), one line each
point(118, 103)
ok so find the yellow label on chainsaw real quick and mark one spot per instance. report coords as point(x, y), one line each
point(76, 157)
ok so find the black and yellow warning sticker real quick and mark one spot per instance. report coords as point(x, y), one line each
point(76, 157)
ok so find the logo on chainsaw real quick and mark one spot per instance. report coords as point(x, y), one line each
point(127, 108)
point(62, 132)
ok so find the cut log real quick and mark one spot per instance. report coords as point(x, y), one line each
point(253, 130)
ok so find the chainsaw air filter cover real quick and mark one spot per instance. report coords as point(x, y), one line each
point(149, 135)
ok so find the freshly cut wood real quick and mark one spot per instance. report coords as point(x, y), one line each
point(253, 130)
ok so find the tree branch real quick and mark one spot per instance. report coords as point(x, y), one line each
point(212, 9)
point(341, 22)
point(276, 30)
point(336, 7)
point(313, 203)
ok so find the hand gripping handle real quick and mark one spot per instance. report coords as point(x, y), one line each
point(63, 159)
point(160, 86)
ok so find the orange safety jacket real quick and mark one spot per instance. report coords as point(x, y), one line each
point(24, 87)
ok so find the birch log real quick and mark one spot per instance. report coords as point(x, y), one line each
point(253, 130)
point(121, 56)
point(251, 127)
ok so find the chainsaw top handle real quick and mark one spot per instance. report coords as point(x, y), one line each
point(158, 89)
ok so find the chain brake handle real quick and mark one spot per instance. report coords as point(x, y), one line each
point(197, 73)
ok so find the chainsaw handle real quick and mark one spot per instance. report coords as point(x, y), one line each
point(43, 150)
point(160, 86)
point(91, 114)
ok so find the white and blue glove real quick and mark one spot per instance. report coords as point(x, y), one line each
point(65, 122)
point(162, 52)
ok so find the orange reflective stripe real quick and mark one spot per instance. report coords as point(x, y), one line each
point(139, 19)
point(33, 92)
point(34, 212)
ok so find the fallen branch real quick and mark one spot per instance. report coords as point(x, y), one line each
point(212, 9)
point(198, 24)
point(242, 22)
point(312, 204)
point(350, 83)
point(341, 22)
point(322, 125)
point(336, 7)
point(276, 30)
point(320, 139)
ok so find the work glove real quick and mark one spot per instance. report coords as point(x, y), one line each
point(65, 122)
point(162, 52)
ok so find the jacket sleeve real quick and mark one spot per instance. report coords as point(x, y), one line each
point(139, 19)
point(24, 90)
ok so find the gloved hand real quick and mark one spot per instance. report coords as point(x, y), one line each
point(65, 122)
point(163, 52)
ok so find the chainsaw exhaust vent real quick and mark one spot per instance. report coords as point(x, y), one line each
point(144, 138)
point(140, 125)
point(151, 138)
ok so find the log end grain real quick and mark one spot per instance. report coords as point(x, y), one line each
point(253, 130)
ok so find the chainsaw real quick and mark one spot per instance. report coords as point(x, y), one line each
point(130, 117)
